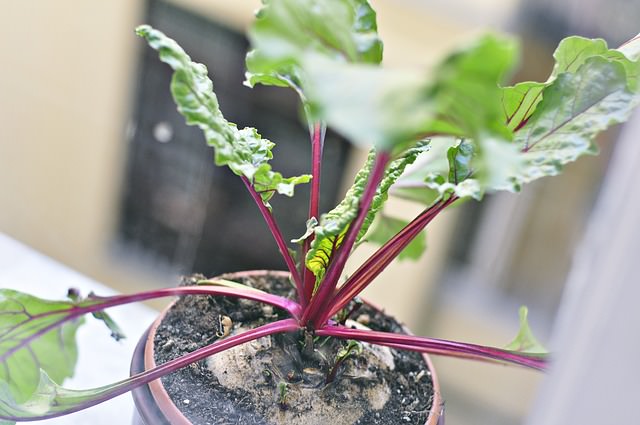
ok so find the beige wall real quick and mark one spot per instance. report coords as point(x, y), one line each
point(64, 96)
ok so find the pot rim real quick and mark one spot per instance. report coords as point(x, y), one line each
point(176, 417)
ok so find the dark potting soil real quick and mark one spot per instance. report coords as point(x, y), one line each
point(194, 322)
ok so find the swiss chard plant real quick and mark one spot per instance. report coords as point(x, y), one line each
point(435, 137)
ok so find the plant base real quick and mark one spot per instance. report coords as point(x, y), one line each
point(269, 381)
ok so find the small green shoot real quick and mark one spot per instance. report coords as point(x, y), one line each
point(352, 348)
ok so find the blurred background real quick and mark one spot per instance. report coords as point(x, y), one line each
point(98, 171)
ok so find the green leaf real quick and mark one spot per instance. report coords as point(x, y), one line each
point(26, 319)
point(459, 158)
point(367, 104)
point(386, 227)
point(48, 398)
point(555, 122)
point(432, 167)
point(311, 225)
point(351, 348)
point(520, 101)
point(334, 224)
point(466, 91)
point(442, 172)
point(525, 342)
point(244, 151)
point(574, 109)
point(390, 107)
point(590, 89)
point(573, 52)
point(116, 333)
point(470, 105)
point(393, 172)
point(285, 30)
point(457, 180)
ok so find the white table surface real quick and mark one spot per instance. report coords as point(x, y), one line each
point(101, 359)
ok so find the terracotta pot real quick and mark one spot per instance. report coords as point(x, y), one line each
point(155, 407)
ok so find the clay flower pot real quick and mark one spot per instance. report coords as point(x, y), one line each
point(155, 406)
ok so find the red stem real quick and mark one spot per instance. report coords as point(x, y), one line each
point(317, 144)
point(327, 288)
point(379, 261)
point(110, 391)
point(96, 303)
point(277, 234)
point(436, 346)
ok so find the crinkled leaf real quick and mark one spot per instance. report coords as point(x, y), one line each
point(393, 172)
point(27, 344)
point(457, 170)
point(389, 107)
point(385, 227)
point(573, 52)
point(498, 165)
point(574, 109)
point(334, 224)
point(553, 122)
point(431, 167)
point(285, 30)
point(442, 172)
point(520, 101)
point(525, 342)
point(244, 151)
point(311, 225)
point(457, 180)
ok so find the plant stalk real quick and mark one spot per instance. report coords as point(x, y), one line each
point(327, 288)
point(82, 399)
point(437, 346)
point(277, 235)
point(379, 261)
point(96, 304)
point(317, 145)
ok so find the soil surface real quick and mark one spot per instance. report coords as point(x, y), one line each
point(274, 380)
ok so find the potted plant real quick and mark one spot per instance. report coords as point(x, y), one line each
point(309, 343)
